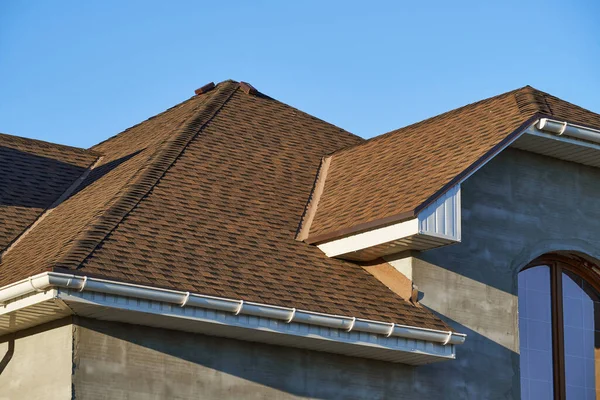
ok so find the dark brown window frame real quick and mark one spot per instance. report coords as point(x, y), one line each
point(589, 272)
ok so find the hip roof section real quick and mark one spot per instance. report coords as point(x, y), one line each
point(391, 177)
point(206, 197)
point(33, 175)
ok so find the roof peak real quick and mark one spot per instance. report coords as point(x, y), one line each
point(166, 153)
point(448, 146)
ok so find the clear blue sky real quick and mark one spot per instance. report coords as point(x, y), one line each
point(77, 72)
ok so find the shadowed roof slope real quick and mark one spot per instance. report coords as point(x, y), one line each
point(206, 198)
point(129, 164)
point(392, 177)
point(34, 174)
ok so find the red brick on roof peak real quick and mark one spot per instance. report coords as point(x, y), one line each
point(248, 88)
point(208, 87)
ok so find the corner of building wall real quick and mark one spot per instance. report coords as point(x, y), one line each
point(74, 353)
point(395, 272)
point(403, 262)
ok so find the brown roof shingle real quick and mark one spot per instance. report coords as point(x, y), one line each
point(391, 177)
point(207, 197)
point(72, 230)
point(34, 174)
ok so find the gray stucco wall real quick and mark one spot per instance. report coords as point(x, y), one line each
point(120, 361)
point(37, 363)
point(516, 208)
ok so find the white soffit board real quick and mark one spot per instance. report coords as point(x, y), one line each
point(561, 147)
point(51, 295)
point(31, 310)
point(437, 225)
point(255, 329)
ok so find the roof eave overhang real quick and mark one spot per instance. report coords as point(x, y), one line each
point(540, 134)
point(381, 222)
point(562, 139)
point(39, 298)
point(435, 226)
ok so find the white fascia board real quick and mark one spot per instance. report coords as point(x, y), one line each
point(372, 238)
point(441, 219)
point(535, 131)
point(75, 283)
point(565, 128)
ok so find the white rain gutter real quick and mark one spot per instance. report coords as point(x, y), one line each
point(50, 280)
point(562, 128)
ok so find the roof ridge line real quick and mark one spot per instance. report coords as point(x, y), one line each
point(145, 180)
point(529, 101)
point(139, 123)
point(52, 144)
point(383, 135)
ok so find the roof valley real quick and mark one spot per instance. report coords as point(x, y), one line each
point(72, 188)
point(421, 161)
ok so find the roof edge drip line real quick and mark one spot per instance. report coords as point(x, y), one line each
point(563, 128)
point(51, 280)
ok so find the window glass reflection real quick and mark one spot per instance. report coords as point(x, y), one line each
point(535, 328)
point(580, 304)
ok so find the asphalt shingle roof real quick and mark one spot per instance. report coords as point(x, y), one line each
point(33, 175)
point(391, 177)
point(207, 197)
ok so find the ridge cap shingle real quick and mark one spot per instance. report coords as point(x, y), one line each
point(430, 119)
point(107, 140)
point(145, 179)
point(424, 159)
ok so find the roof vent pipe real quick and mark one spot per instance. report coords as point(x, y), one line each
point(562, 128)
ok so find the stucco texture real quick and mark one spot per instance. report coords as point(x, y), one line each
point(37, 363)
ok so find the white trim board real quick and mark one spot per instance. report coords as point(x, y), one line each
point(50, 294)
point(437, 225)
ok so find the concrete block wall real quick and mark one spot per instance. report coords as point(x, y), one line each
point(120, 361)
point(515, 208)
point(36, 364)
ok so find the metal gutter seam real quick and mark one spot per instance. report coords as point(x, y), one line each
point(48, 280)
point(564, 128)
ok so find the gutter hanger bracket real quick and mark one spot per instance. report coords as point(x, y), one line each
point(448, 338)
point(292, 316)
point(185, 299)
point(391, 330)
point(563, 129)
point(239, 309)
point(351, 324)
point(33, 286)
point(83, 284)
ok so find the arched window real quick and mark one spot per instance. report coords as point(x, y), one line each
point(559, 329)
